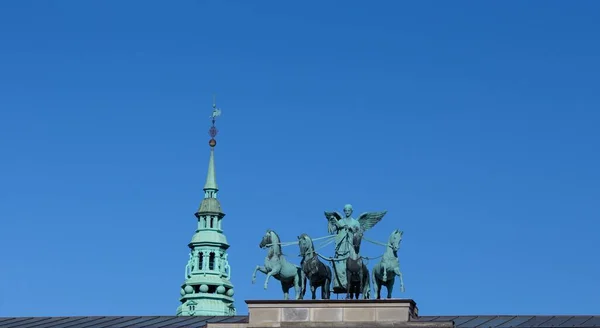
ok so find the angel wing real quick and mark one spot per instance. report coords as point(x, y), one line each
point(332, 218)
point(370, 219)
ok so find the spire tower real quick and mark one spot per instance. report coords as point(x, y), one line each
point(207, 290)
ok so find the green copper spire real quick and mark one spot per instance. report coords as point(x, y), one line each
point(211, 181)
point(207, 290)
point(210, 188)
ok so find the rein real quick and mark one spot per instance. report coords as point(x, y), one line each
point(329, 240)
point(376, 242)
point(290, 243)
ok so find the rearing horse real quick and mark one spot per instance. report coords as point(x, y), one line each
point(385, 272)
point(318, 274)
point(278, 267)
point(357, 274)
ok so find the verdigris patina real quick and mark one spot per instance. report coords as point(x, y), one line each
point(278, 267)
point(385, 272)
point(357, 274)
point(189, 267)
point(344, 228)
point(318, 274)
point(350, 274)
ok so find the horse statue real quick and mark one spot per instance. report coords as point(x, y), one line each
point(357, 274)
point(318, 274)
point(385, 272)
point(278, 267)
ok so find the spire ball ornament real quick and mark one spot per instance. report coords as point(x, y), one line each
point(212, 132)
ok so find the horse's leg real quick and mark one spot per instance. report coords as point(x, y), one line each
point(374, 278)
point(304, 287)
point(384, 267)
point(285, 287)
point(258, 268)
point(324, 285)
point(303, 284)
point(366, 285)
point(368, 278)
point(274, 270)
point(399, 274)
point(390, 287)
point(358, 289)
point(299, 283)
point(377, 283)
point(312, 286)
point(361, 280)
point(348, 281)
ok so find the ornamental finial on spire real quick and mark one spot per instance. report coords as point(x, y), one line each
point(213, 129)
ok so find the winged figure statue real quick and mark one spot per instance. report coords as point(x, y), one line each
point(366, 220)
point(344, 227)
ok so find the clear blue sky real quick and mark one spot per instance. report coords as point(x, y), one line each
point(474, 123)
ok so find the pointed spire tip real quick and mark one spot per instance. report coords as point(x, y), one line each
point(211, 179)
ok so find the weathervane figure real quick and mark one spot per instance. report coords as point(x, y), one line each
point(213, 130)
point(216, 111)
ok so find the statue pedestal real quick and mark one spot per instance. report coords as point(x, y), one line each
point(389, 313)
point(305, 313)
point(333, 314)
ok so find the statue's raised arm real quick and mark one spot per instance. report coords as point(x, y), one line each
point(332, 219)
point(370, 219)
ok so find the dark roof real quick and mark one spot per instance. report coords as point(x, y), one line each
point(115, 321)
point(520, 321)
point(463, 321)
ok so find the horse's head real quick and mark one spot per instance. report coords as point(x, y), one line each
point(357, 239)
point(305, 244)
point(394, 240)
point(267, 239)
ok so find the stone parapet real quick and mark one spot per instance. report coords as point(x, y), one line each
point(370, 324)
point(226, 325)
point(330, 313)
point(388, 313)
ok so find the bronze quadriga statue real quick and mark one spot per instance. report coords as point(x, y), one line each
point(348, 272)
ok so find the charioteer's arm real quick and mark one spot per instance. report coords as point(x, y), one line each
point(337, 224)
